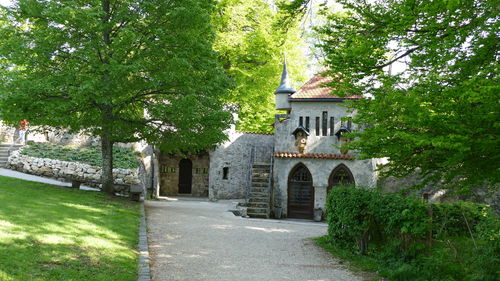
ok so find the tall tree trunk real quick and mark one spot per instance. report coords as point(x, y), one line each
point(107, 113)
point(107, 163)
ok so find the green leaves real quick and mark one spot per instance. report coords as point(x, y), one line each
point(251, 47)
point(440, 115)
point(72, 60)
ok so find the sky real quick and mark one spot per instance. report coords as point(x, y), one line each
point(4, 2)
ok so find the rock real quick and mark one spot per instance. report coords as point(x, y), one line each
point(46, 170)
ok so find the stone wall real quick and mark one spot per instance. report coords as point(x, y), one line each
point(236, 156)
point(316, 142)
point(169, 174)
point(435, 193)
point(9, 134)
point(68, 171)
point(320, 169)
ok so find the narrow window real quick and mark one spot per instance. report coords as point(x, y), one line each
point(349, 124)
point(324, 123)
point(317, 126)
point(332, 126)
point(225, 173)
point(307, 123)
point(301, 121)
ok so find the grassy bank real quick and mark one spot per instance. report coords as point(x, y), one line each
point(55, 233)
point(122, 157)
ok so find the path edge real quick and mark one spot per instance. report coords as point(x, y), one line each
point(144, 271)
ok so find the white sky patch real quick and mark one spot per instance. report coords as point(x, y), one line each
point(5, 3)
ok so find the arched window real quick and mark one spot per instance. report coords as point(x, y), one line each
point(340, 176)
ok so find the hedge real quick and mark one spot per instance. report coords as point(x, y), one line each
point(409, 234)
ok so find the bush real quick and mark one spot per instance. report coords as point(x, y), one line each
point(414, 240)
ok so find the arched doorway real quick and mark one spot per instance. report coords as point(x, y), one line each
point(185, 176)
point(300, 193)
point(340, 176)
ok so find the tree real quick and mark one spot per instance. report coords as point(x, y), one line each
point(251, 46)
point(439, 117)
point(122, 70)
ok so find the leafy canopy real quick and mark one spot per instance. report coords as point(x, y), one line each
point(251, 45)
point(439, 117)
point(122, 70)
point(98, 66)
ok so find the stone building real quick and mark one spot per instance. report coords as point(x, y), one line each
point(307, 160)
point(290, 171)
point(221, 173)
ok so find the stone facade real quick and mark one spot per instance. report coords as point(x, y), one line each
point(321, 170)
point(319, 150)
point(231, 164)
point(68, 171)
point(171, 170)
point(316, 142)
point(221, 173)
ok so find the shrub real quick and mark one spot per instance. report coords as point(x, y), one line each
point(122, 157)
point(414, 240)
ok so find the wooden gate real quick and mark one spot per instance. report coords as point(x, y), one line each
point(300, 193)
point(185, 176)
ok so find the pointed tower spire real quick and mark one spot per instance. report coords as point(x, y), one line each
point(285, 86)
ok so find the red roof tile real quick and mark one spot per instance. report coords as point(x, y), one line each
point(313, 155)
point(315, 89)
point(256, 133)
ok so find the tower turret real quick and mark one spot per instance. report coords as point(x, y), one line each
point(284, 91)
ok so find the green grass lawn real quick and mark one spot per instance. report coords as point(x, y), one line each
point(56, 233)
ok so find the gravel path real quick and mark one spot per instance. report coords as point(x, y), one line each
point(199, 240)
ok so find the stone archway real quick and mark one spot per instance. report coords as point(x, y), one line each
point(300, 193)
point(340, 176)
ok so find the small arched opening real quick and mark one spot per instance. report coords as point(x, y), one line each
point(340, 176)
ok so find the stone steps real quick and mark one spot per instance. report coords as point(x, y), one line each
point(259, 189)
point(260, 184)
point(258, 201)
point(5, 150)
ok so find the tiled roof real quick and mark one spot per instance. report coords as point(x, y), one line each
point(315, 89)
point(313, 155)
point(256, 133)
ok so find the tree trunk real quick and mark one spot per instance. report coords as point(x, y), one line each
point(107, 164)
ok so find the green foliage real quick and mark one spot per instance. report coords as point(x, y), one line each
point(54, 233)
point(251, 46)
point(356, 262)
point(440, 116)
point(122, 157)
point(412, 240)
point(122, 70)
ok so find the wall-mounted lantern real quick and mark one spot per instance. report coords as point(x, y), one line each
point(300, 135)
point(342, 137)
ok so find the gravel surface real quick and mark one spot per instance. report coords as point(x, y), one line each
point(200, 240)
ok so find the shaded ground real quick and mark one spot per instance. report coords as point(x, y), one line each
point(198, 240)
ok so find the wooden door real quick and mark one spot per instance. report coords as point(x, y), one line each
point(185, 176)
point(300, 193)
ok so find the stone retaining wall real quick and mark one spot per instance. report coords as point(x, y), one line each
point(68, 171)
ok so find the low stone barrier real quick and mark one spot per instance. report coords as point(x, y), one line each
point(69, 171)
